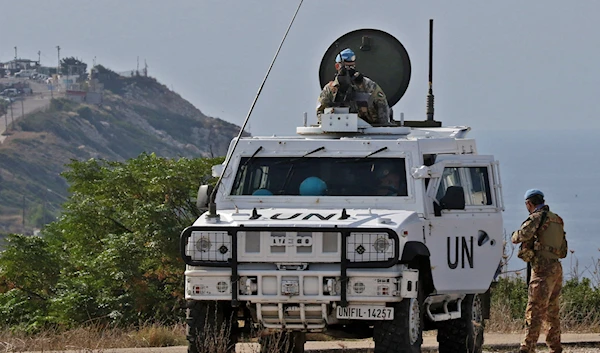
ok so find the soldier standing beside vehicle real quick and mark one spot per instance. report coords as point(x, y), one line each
point(351, 88)
point(543, 244)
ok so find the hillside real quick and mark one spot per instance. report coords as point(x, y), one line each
point(137, 115)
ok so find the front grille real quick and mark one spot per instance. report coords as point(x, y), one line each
point(289, 246)
point(351, 248)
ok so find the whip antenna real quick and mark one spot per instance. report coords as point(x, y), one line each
point(212, 206)
point(430, 93)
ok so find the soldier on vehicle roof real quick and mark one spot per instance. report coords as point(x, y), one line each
point(543, 244)
point(353, 89)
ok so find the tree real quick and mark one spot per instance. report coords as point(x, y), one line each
point(115, 248)
point(73, 66)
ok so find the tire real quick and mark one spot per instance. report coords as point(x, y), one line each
point(403, 334)
point(210, 327)
point(283, 342)
point(464, 335)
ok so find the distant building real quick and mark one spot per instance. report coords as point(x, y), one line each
point(20, 64)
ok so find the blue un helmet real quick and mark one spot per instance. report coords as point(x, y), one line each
point(532, 192)
point(345, 55)
point(313, 186)
point(262, 192)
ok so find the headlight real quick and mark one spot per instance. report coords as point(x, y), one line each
point(359, 287)
point(203, 244)
point(381, 245)
point(367, 247)
point(209, 246)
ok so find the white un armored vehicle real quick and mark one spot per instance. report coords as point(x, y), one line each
point(350, 229)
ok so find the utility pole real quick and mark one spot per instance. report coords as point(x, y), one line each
point(22, 110)
point(145, 68)
point(137, 69)
point(12, 117)
point(58, 65)
point(39, 57)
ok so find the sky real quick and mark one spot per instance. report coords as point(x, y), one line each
point(507, 64)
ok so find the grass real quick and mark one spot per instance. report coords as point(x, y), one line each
point(94, 338)
point(579, 312)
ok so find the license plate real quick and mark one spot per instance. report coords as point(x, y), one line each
point(365, 312)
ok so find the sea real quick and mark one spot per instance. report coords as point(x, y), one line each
point(563, 165)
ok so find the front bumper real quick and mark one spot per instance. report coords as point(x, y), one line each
point(312, 305)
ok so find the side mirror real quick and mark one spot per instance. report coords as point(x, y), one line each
point(203, 198)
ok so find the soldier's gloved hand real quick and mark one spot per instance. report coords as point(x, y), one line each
point(357, 78)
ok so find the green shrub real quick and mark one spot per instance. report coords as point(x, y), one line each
point(511, 292)
point(579, 308)
point(62, 104)
point(112, 257)
point(85, 112)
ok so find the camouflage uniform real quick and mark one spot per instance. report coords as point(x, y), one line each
point(377, 112)
point(546, 277)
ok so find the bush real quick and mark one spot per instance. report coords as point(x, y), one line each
point(85, 112)
point(511, 293)
point(579, 308)
point(62, 104)
point(580, 304)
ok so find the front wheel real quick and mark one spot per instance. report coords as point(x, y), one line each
point(464, 335)
point(403, 334)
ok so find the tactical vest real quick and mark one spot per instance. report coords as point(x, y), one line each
point(551, 242)
point(358, 102)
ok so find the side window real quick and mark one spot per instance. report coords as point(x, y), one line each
point(479, 192)
point(450, 177)
point(474, 182)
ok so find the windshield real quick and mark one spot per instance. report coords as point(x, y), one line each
point(309, 176)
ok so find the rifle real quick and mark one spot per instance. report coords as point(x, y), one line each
point(530, 244)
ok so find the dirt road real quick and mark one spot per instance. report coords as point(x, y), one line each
point(494, 342)
point(39, 99)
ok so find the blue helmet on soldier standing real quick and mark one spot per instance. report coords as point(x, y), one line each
point(532, 192)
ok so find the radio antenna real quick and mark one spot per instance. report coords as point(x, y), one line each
point(430, 93)
point(212, 206)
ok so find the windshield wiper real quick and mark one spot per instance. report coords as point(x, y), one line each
point(350, 160)
point(372, 153)
point(291, 160)
point(289, 173)
point(314, 151)
point(252, 156)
